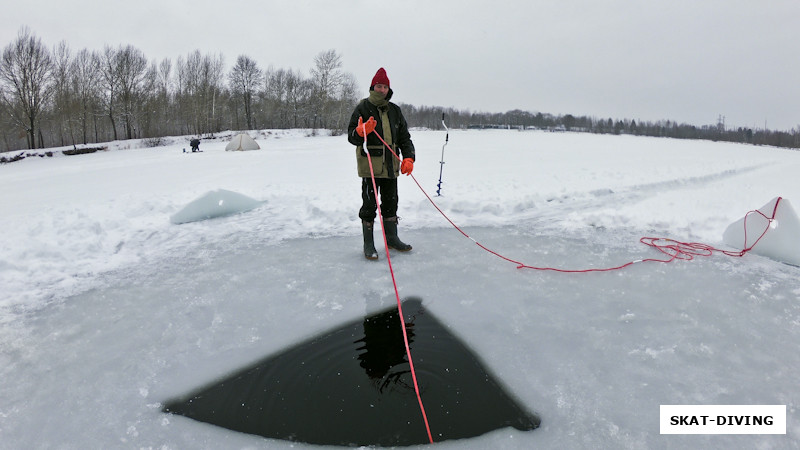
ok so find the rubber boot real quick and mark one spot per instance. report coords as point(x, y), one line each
point(390, 227)
point(369, 242)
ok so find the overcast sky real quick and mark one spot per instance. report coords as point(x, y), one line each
point(684, 60)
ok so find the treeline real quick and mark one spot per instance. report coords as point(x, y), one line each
point(62, 97)
point(431, 117)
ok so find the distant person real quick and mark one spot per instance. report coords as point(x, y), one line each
point(195, 143)
point(385, 119)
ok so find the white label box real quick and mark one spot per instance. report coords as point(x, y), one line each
point(723, 419)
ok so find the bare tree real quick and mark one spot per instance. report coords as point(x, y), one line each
point(284, 97)
point(62, 92)
point(149, 107)
point(164, 88)
point(346, 101)
point(182, 93)
point(131, 67)
point(199, 85)
point(298, 93)
point(85, 74)
point(326, 76)
point(164, 74)
point(25, 69)
point(5, 124)
point(213, 85)
point(110, 82)
point(245, 78)
point(272, 98)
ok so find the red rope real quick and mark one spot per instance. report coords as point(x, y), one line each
point(673, 249)
point(396, 291)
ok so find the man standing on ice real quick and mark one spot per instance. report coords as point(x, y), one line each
point(385, 119)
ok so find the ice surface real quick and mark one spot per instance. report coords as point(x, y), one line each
point(213, 204)
point(773, 231)
point(107, 309)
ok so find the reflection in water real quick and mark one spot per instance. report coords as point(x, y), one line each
point(352, 386)
point(383, 349)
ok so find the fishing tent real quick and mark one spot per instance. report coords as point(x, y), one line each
point(242, 141)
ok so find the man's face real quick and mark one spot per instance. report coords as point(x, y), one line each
point(381, 89)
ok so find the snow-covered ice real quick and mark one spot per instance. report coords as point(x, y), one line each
point(108, 308)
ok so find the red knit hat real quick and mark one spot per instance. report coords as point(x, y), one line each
point(380, 78)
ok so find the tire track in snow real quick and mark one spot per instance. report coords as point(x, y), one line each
point(609, 198)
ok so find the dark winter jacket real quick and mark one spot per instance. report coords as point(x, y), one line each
point(400, 139)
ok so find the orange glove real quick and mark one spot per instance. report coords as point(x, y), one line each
point(407, 166)
point(370, 126)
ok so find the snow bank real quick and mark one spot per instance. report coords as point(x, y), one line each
point(772, 231)
point(217, 203)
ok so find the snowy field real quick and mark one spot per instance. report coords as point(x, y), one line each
point(108, 309)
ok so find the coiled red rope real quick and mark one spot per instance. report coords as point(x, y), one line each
point(673, 249)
